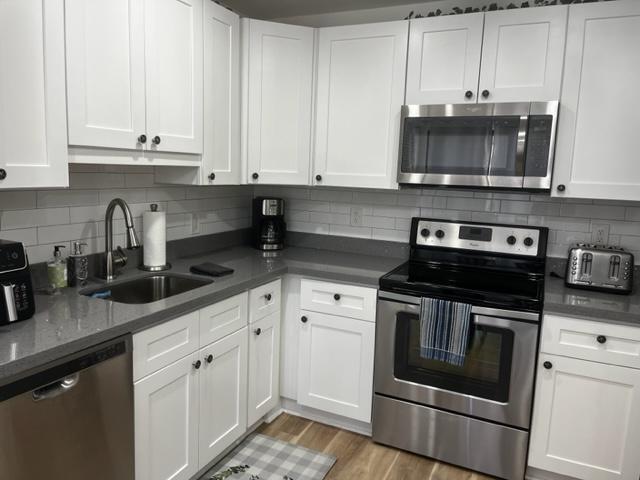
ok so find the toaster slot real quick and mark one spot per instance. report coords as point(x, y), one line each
point(614, 267)
point(586, 263)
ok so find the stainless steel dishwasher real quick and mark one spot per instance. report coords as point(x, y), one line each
point(72, 420)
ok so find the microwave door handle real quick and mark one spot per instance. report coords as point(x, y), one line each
point(9, 302)
point(521, 146)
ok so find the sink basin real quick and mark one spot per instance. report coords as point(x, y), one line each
point(147, 289)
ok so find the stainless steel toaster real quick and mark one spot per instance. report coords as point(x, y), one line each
point(600, 267)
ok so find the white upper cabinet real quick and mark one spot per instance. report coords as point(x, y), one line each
point(134, 75)
point(33, 145)
point(444, 59)
point(522, 54)
point(279, 70)
point(360, 89)
point(105, 72)
point(173, 50)
point(597, 146)
point(221, 154)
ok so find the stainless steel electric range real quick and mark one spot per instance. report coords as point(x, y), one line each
point(476, 415)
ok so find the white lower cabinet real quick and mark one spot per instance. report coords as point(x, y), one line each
point(335, 367)
point(195, 390)
point(264, 366)
point(166, 422)
point(586, 416)
point(223, 395)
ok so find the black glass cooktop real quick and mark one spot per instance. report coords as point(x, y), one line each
point(516, 288)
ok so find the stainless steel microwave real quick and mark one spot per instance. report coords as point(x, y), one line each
point(498, 145)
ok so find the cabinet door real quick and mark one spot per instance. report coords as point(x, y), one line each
point(586, 420)
point(264, 366)
point(33, 144)
point(444, 59)
point(221, 149)
point(335, 368)
point(105, 73)
point(223, 395)
point(597, 151)
point(522, 54)
point(166, 422)
point(174, 80)
point(280, 70)
point(361, 79)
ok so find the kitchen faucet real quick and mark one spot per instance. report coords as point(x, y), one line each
point(117, 258)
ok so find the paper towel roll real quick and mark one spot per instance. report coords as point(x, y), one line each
point(154, 225)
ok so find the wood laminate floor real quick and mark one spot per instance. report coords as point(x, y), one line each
point(360, 458)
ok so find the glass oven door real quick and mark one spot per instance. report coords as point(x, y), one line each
point(463, 145)
point(486, 372)
point(495, 382)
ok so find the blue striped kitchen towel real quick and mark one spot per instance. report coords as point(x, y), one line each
point(445, 328)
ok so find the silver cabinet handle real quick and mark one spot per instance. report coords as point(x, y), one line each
point(10, 302)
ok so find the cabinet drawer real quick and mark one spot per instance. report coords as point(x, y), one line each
point(596, 341)
point(264, 300)
point(223, 318)
point(338, 299)
point(163, 344)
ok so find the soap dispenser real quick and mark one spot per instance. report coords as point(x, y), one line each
point(57, 270)
point(78, 266)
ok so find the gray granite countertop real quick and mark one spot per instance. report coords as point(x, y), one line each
point(69, 322)
point(591, 305)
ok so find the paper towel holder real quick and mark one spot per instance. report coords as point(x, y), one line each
point(155, 268)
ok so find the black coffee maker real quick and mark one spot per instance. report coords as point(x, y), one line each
point(269, 227)
point(16, 292)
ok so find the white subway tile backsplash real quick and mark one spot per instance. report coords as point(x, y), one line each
point(66, 198)
point(44, 218)
point(11, 219)
point(387, 215)
point(473, 204)
point(348, 231)
point(396, 212)
point(17, 200)
point(378, 222)
point(529, 208)
point(605, 212)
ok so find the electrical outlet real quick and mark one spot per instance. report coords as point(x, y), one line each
point(600, 233)
point(195, 223)
point(356, 216)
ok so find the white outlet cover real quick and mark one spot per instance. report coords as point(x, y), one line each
point(356, 216)
point(600, 233)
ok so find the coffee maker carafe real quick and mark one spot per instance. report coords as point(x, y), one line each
point(269, 226)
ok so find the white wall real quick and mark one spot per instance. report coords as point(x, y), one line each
point(385, 14)
point(43, 218)
point(387, 215)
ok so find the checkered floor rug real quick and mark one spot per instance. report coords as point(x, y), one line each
point(264, 458)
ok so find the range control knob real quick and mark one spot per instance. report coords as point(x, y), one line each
point(425, 232)
point(439, 233)
point(511, 240)
point(528, 241)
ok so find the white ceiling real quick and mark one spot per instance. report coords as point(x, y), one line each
point(269, 9)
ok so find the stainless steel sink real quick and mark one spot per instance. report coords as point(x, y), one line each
point(147, 289)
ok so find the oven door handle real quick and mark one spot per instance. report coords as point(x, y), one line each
point(411, 301)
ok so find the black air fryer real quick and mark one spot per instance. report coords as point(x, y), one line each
point(16, 292)
point(269, 227)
